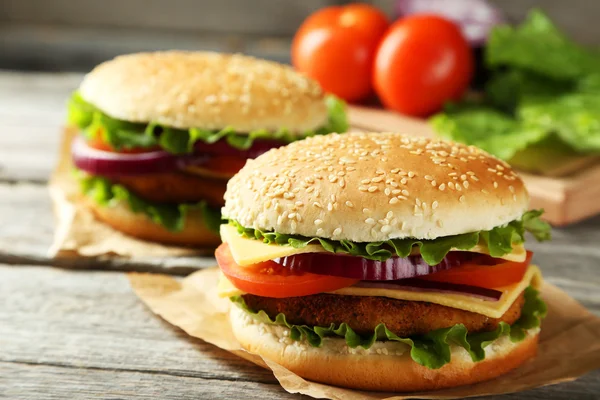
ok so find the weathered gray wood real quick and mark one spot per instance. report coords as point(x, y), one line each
point(32, 111)
point(85, 334)
point(55, 382)
point(27, 229)
point(94, 320)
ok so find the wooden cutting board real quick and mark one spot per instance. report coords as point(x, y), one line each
point(566, 199)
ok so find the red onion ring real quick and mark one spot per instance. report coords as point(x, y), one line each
point(371, 270)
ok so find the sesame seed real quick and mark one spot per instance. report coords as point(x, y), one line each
point(320, 232)
point(433, 183)
point(428, 177)
point(329, 207)
point(337, 231)
point(484, 191)
point(434, 205)
point(387, 191)
point(377, 180)
point(451, 185)
point(402, 197)
point(393, 200)
point(366, 211)
point(317, 204)
point(380, 172)
point(411, 174)
point(403, 181)
point(299, 203)
point(386, 229)
point(463, 177)
point(365, 181)
point(293, 225)
point(370, 221)
point(495, 185)
point(461, 199)
point(349, 203)
point(466, 184)
point(389, 215)
point(342, 182)
point(442, 187)
point(318, 221)
point(475, 178)
point(458, 187)
point(363, 188)
point(291, 215)
point(511, 188)
point(372, 189)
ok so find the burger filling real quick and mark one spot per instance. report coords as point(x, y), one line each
point(165, 172)
point(427, 294)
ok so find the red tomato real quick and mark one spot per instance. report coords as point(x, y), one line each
point(422, 62)
point(269, 279)
point(336, 47)
point(501, 274)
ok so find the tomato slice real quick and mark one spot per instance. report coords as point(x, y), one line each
point(269, 279)
point(493, 275)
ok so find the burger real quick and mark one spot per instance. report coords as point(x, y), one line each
point(380, 261)
point(159, 135)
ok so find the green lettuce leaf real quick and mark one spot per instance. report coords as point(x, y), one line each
point(534, 114)
point(126, 135)
point(171, 216)
point(499, 241)
point(431, 350)
point(538, 45)
point(489, 129)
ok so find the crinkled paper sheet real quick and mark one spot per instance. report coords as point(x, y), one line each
point(569, 343)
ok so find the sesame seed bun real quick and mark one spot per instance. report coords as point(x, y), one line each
point(207, 91)
point(120, 217)
point(387, 366)
point(368, 187)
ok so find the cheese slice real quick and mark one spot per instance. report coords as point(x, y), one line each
point(246, 251)
point(492, 309)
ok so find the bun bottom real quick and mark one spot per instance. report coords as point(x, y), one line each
point(121, 218)
point(387, 366)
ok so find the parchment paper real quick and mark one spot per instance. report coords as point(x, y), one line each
point(77, 231)
point(569, 343)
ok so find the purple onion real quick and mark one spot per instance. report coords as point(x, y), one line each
point(475, 17)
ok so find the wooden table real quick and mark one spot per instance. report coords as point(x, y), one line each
point(77, 331)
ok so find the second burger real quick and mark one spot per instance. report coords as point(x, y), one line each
point(161, 133)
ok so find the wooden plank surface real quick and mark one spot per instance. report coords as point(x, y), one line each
point(83, 334)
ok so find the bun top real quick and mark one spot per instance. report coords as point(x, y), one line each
point(368, 187)
point(205, 90)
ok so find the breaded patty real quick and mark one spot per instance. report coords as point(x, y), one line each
point(364, 313)
point(175, 187)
